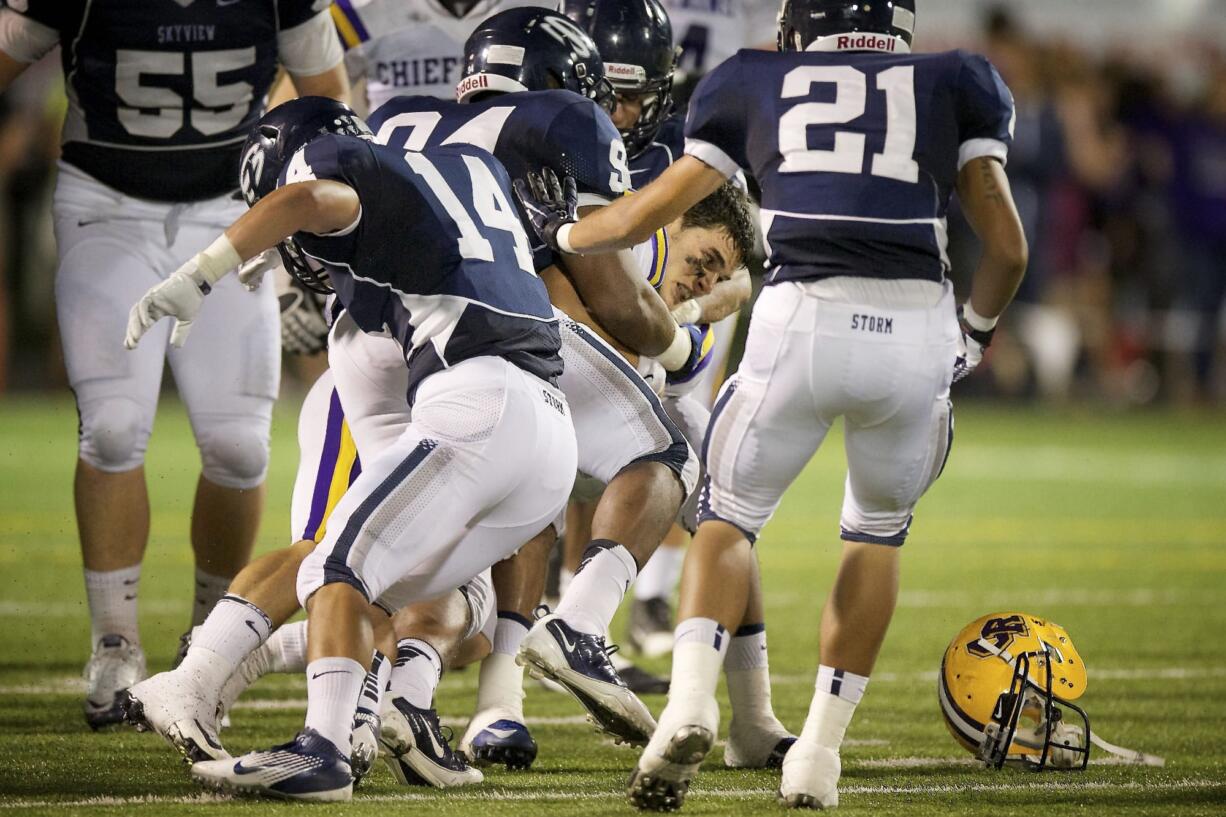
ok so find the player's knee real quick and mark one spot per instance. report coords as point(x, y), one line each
point(234, 453)
point(114, 433)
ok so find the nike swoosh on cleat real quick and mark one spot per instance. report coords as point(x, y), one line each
point(566, 642)
point(438, 750)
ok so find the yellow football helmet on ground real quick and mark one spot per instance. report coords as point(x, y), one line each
point(1007, 686)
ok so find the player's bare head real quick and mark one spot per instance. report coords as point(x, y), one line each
point(532, 49)
point(706, 245)
point(847, 25)
point(635, 38)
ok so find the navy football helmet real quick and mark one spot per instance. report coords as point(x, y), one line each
point(804, 22)
point(533, 49)
point(273, 141)
point(635, 39)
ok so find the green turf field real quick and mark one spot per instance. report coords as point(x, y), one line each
point(1113, 525)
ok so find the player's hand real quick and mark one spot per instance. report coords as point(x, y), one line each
point(178, 297)
point(653, 373)
point(550, 205)
point(698, 360)
point(972, 344)
point(304, 326)
point(251, 272)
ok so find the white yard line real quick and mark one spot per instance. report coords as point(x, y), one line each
point(699, 794)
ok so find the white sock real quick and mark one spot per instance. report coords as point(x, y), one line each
point(112, 603)
point(287, 647)
point(209, 590)
point(416, 673)
point(509, 632)
point(834, 702)
point(748, 676)
point(376, 683)
point(233, 630)
point(565, 577)
point(600, 583)
point(699, 645)
point(500, 685)
point(659, 576)
point(333, 686)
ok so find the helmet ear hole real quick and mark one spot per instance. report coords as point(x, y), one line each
point(269, 132)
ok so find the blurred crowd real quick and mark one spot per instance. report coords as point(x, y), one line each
point(1119, 169)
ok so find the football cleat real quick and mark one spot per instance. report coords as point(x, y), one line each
point(115, 665)
point(670, 762)
point(650, 631)
point(417, 751)
point(254, 667)
point(580, 662)
point(366, 729)
point(757, 746)
point(810, 777)
point(185, 642)
point(172, 704)
point(309, 767)
point(638, 680)
point(493, 739)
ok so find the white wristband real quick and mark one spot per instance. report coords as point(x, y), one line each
point(216, 260)
point(563, 238)
point(976, 321)
point(688, 311)
point(678, 352)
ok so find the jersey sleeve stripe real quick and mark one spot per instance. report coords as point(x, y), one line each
point(659, 242)
point(978, 148)
point(711, 155)
point(349, 24)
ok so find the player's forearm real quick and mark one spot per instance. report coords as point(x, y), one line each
point(333, 83)
point(726, 298)
point(633, 219)
point(318, 207)
point(622, 301)
point(988, 203)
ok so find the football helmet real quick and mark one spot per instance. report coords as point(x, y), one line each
point(1007, 686)
point(533, 49)
point(635, 40)
point(273, 141)
point(802, 23)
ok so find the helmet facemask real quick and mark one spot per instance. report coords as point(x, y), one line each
point(1029, 721)
point(656, 99)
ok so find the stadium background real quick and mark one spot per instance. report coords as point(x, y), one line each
point(1086, 482)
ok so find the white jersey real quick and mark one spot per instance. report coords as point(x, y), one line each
point(711, 31)
point(408, 47)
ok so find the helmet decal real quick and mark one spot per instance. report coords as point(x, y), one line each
point(1000, 633)
point(568, 34)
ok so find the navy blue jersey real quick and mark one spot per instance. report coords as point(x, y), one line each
point(438, 256)
point(856, 153)
point(666, 148)
point(526, 132)
point(162, 92)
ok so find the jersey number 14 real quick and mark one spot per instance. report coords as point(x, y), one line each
point(896, 159)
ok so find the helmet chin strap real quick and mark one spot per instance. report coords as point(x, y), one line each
point(1129, 756)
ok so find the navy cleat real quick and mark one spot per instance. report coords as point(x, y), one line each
point(309, 767)
point(580, 663)
point(501, 741)
point(417, 751)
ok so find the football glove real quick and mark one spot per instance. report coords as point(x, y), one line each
point(304, 326)
point(699, 359)
point(178, 297)
point(251, 272)
point(653, 373)
point(550, 205)
point(972, 343)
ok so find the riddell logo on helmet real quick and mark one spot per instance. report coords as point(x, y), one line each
point(470, 84)
point(866, 42)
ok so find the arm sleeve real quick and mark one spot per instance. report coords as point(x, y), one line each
point(715, 125)
point(25, 38)
point(590, 149)
point(311, 47)
point(985, 112)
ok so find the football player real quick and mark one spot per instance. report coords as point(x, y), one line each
point(479, 366)
point(517, 99)
point(857, 146)
point(160, 99)
point(710, 32)
point(410, 47)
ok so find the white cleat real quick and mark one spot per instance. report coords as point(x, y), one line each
point(417, 751)
point(366, 729)
point(810, 777)
point(115, 665)
point(760, 745)
point(173, 705)
point(670, 762)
